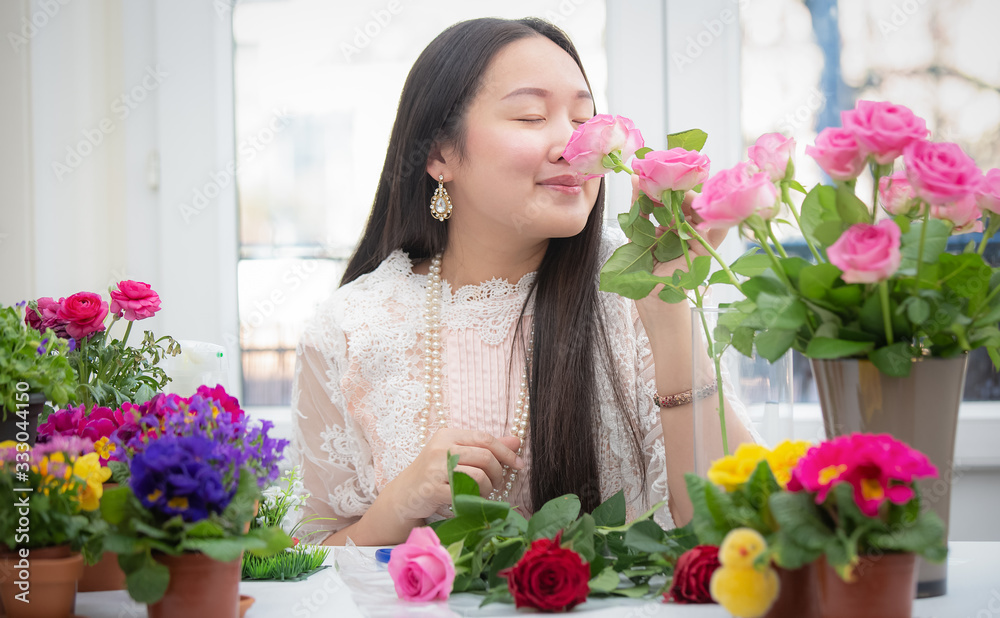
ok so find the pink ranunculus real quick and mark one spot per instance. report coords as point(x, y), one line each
point(84, 313)
point(421, 568)
point(964, 215)
point(838, 153)
point(867, 253)
point(676, 169)
point(884, 129)
point(896, 194)
point(135, 299)
point(988, 194)
point(771, 153)
point(733, 195)
point(49, 310)
point(941, 173)
point(599, 136)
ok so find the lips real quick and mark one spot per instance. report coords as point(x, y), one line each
point(562, 181)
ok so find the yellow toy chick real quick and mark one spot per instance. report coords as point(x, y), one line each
point(741, 589)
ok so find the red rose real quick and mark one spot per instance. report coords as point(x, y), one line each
point(692, 575)
point(134, 300)
point(84, 313)
point(549, 577)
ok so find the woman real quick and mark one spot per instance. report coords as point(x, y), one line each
point(502, 351)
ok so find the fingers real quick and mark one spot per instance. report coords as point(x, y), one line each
point(502, 452)
point(480, 459)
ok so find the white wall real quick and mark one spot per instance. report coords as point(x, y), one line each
point(118, 111)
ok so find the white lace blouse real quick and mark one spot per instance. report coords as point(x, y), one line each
point(359, 388)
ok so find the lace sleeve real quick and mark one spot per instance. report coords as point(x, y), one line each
point(326, 442)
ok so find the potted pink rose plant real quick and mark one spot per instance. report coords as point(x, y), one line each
point(885, 313)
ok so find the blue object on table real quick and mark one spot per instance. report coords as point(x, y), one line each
point(382, 555)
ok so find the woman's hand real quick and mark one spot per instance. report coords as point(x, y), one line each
point(422, 488)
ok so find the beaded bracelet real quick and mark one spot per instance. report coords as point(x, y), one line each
point(680, 399)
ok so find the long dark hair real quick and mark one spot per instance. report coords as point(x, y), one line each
point(571, 342)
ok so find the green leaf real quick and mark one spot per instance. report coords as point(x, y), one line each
point(743, 340)
point(751, 265)
point(643, 232)
point(580, 536)
point(148, 583)
point(798, 518)
point(935, 243)
point(692, 139)
point(918, 310)
point(850, 208)
point(774, 342)
point(795, 184)
point(708, 529)
point(634, 592)
point(817, 279)
point(223, 550)
point(480, 508)
point(819, 207)
point(611, 512)
point(457, 528)
point(113, 503)
point(641, 153)
point(672, 295)
point(554, 515)
point(668, 247)
point(826, 347)
point(606, 581)
point(782, 312)
point(893, 360)
point(629, 260)
point(646, 536)
point(847, 295)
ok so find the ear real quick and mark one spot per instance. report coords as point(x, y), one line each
point(440, 162)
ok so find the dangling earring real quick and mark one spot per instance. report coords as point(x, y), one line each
point(440, 202)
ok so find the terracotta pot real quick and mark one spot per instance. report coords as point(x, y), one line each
point(105, 575)
point(884, 588)
point(245, 603)
point(199, 586)
point(921, 410)
point(9, 429)
point(51, 577)
point(799, 594)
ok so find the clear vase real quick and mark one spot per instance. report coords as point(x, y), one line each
point(756, 394)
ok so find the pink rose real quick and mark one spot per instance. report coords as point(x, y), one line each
point(600, 136)
point(964, 215)
point(941, 172)
point(732, 195)
point(84, 314)
point(988, 194)
point(896, 194)
point(771, 153)
point(676, 169)
point(883, 129)
point(421, 568)
point(838, 153)
point(867, 253)
point(134, 299)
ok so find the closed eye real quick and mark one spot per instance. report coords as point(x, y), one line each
point(530, 119)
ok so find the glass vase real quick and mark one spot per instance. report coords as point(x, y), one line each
point(756, 394)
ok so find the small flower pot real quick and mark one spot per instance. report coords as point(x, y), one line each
point(799, 593)
point(884, 587)
point(16, 428)
point(199, 586)
point(51, 574)
point(104, 575)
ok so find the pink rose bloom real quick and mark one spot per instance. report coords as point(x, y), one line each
point(421, 568)
point(838, 153)
point(867, 253)
point(134, 299)
point(964, 215)
point(988, 194)
point(84, 313)
point(732, 195)
point(941, 173)
point(676, 169)
point(896, 194)
point(599, 136)
point(771, 153)
point(883, 129)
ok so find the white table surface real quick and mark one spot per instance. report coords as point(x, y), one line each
point(973, 592)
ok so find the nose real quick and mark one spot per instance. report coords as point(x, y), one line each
point(561, 133)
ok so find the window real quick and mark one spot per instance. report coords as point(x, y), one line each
point(316, 88)
point(803, 62)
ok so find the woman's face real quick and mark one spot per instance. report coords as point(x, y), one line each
point(512, 178)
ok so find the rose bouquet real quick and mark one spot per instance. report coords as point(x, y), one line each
point(110, 371)
point(553, 561)
point(192, 470)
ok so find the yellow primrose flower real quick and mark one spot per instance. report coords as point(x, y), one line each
point(88, 468)
point(785, 457)
point(733, 470)
point(105, 447)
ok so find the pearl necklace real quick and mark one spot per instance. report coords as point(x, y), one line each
point(433, 361)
